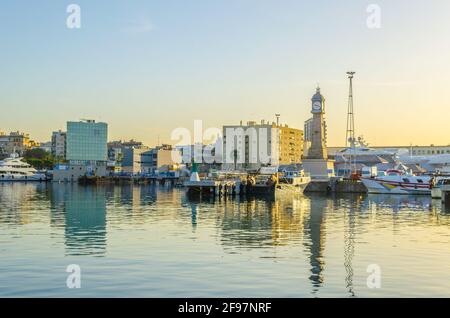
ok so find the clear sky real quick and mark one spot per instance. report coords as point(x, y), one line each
point(147, 67)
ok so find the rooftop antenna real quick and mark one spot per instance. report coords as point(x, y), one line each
point(278, 119)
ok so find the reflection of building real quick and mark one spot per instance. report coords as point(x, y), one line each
point(315, 230)
point(85, 221)
point(86, 151)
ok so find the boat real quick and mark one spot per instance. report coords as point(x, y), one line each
point(398, 182)
point(292, 181)
point(436, 189)
point(14, 169)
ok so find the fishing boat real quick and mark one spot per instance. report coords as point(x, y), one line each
point(436, 189)
point(397, 182)
point(292, 181)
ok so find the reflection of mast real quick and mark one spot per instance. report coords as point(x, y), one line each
point(349, 249)
point(194, 209)
point(316, 229)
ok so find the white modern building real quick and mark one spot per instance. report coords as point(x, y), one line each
point(250, 146)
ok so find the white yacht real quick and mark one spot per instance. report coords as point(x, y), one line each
point(14, 169)
point(396, 182)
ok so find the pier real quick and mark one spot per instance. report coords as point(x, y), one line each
point(214, 187)
point(86, 180)
point(336, 185)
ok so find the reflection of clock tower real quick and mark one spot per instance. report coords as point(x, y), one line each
point(318, 149)
point(316, 162)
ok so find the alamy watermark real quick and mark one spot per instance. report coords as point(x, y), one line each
point(74, 278)
point(374, 279)
point(250, 144)
point(73, 21)
point(374, 18)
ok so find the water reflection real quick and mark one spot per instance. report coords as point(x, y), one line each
point(315, 242)
point(300, 230)
point(81, 212)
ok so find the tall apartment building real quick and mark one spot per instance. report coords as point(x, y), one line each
point(58, 147)
point(254, 145)
point(291, 145)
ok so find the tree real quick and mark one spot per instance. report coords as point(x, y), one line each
point(39, 158)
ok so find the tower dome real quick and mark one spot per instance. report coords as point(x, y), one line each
point(318, 96)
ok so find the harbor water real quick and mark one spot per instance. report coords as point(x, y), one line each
point(153, 241)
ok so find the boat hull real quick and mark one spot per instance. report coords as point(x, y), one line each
point(289, 188)
point(389, 187)
point(15, 178)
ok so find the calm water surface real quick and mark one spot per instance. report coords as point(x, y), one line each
point(151, 241)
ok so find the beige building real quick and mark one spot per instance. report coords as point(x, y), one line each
point(291, 145)
point(16, 142)
point(160, 158)
point(131, 161)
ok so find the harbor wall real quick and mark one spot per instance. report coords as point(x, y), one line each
point(336, 186)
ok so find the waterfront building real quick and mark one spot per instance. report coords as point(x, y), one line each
point(160, 158)
point(86, 151)
point(16, 142)
point(46, 146)
point(291, 145)
point(116, 152)
point(254, 145)
point(250, 146)
point(58, 144)
point(131, 159)
point(207, 159)
point(86, 142)
point(316, 163)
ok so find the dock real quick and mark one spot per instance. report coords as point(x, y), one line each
point(336, 185)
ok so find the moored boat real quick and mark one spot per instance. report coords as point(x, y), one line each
point(396, 182)
point(14, 169)
point(436, 189)
point(292, 181)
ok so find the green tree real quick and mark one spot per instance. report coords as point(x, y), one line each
point(39, 158)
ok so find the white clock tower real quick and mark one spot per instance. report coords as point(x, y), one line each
point(316, 163)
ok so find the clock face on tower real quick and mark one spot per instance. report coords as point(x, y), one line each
point(317, 106)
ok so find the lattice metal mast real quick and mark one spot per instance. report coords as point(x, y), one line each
point(350, 134)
